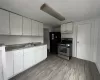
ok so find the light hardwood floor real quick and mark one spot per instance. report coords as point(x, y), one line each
point(55, 68)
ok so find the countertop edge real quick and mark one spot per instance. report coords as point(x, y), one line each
point(24, 48)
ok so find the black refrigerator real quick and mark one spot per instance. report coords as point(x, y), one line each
point(55, 39)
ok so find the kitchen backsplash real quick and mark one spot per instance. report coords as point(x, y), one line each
point(8, 40)
point(67, 35)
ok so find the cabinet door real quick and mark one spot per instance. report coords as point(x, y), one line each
point(40, 29)
point(1, 71)
point(34, 28)
point(29, 58)
point(4, 22)
point(9, 59)
point(18, 61)
point(41, 53)
point(63, 28)
point(26, 26)
point(69, 27)
point(15, 24)
point(44, 52)
point(38, 54)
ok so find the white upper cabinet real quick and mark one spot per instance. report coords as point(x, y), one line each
point(40, 29)
point(67, 28)
point(15, 24)
point(34, 28)
point(27, 26)
point(63, 28)
point(4, 22)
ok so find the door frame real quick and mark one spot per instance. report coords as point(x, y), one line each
point(76, 30)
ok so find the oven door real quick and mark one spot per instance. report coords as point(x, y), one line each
point(63, 50)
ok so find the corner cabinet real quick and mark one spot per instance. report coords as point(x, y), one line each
point(67, 28)
point(4, 22)
point(15, 24)
point(41, 53)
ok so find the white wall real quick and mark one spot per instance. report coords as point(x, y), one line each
point(46, 37)
point(95, 39)
point(49, 27)
point(97, 58)
point(7, 40)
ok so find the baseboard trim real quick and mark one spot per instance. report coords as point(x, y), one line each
point(98, 67)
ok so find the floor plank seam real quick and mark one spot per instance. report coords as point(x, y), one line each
point(55, 68)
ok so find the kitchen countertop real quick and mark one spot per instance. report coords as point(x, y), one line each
point(22, 46)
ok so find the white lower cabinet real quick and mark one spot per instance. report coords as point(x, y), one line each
point(41, 53)
point(9, 59)
point(18, 61)
point(38, 54)
point(29, 58)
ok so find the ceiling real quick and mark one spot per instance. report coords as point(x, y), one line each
point(72, 10)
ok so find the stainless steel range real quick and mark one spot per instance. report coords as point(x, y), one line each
point(65, 48)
